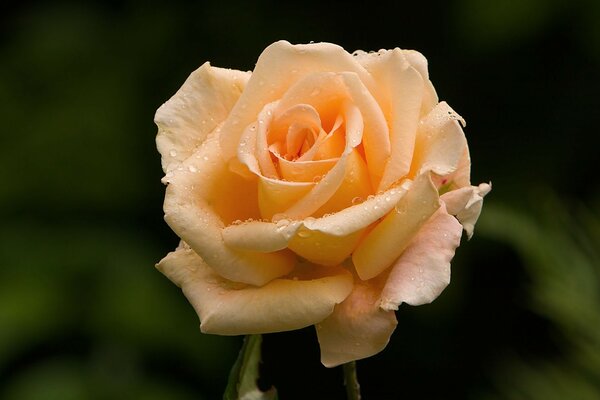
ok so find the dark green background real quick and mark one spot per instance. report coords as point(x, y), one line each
point(83, 312)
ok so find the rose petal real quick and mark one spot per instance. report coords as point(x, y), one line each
point(356, 329)
point(441, 143)
point(356, 184)
point(261, 236)
point(324, 249)
point(227, 308)
point(202, 103)
point(329, 184)
point(423, 269)
point(390, 237)
point(419, 62)
point(402, 91)
point(202, 197)
point(361, 215)
point(466, 204)
point(277, 69)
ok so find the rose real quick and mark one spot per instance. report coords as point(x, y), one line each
point(321, 189)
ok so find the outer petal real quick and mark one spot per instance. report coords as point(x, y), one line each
point(227, 308)
point(202, 197)
point(402, 90)
point(390, 237)
point(277, 69)
point(202, 103)
point(466, 204)
point(357, 329)
point(423, 270)
point(441, 143)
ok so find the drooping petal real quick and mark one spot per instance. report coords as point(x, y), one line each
point(390, 237)
point(466, 204)
point(277, 69)
point(423, 269)
point(203, 197)
point(228, 308)
point(198, 107)
point(357, 328)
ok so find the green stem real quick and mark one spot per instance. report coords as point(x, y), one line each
point(351, 381)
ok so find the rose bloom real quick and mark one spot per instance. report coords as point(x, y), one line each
point(323, 188)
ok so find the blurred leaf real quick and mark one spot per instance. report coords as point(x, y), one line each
point(560, 248)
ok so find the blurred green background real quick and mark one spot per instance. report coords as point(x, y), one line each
point(83, 312)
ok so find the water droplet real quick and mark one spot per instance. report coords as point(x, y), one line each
point(356, 200)
point(203, 122)
point(205, 158)
point(191, 168)
point(388, 198)
point(315, 92)
point(317, 178)
point(236, 222)
point(371, 197)
point(173, 153)
point(304, 234)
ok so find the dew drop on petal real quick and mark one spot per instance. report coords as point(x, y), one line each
point(191, 168)
point(173, 153)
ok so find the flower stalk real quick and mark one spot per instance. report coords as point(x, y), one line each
point(351, 381)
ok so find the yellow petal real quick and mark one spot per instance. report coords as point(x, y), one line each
point(356, 329)
point(227, 308)
point(423, 270)
point(384, 244)
point(202, 103)
point(203, 197)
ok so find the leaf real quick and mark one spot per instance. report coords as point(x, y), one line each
point(244, 374)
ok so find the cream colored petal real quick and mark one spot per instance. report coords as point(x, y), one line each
point(423, 269)
point(277, 69)
point(419, 62)
point(402, 87)
point(227, 308)
point(262, 152)
point(390, 237)
point(361, 215)
point(466, 204)
point(203, 197)
point(261, 236)
point(356, 329)
point(441, 144)
point(202, 103)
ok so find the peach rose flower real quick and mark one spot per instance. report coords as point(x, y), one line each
point(324, 188)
